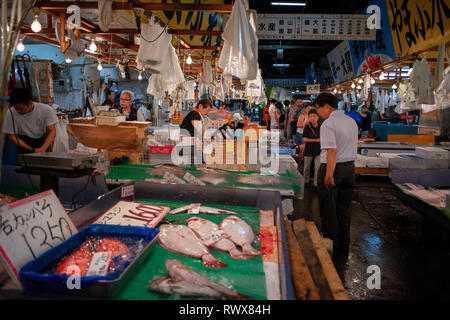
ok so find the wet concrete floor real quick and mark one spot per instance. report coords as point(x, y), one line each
point(413, 257)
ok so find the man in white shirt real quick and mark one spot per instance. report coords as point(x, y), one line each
point(274, 118)
point(31, 126)
point(338, 143)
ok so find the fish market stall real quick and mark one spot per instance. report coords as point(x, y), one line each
point(288, 183)
point(197, 243)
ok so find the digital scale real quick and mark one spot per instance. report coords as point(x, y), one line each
point(57, 160)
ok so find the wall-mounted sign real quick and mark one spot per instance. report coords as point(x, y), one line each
point(314, 27)
point(313, 89)
point(340, 60)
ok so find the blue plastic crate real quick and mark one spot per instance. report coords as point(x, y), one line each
point(33, 279)
point(281, 150)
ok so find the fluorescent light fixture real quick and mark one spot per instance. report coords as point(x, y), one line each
point(294, 4)
point(281, 65)
point(89, 51)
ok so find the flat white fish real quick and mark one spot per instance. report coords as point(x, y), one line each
point(210, 210)
point(213, 178)
point(208, 232)
point(182, 240)
point(184, 288)
point(184, 208)
point(240, 233)
point(178, 271)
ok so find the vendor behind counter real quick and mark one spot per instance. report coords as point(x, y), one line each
point(198, 114)
point(29, 127)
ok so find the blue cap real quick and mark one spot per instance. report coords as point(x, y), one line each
point(293, 102)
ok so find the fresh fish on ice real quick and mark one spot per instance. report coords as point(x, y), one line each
point(178, 271)
point(211, 236)
point(259, 180)
point(210, 210)
point(184, 208)
point(184, 288)
point(240, 233)
point(213, 178)
point(182, 240)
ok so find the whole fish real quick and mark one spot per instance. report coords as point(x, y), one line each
point(184, 288)
point(240, 233)
point(178, 271)
point(182, 240)
point(210, 210)
point(208, 231)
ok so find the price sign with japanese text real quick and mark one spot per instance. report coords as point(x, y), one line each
point(30, 227)
point(126, 213)
point(341, 63)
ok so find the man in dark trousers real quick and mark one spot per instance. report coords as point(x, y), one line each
point(338, 144)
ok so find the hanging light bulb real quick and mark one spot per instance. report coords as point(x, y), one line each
point(189, 59)
point(93, 46)
point(353, 85)
point(68, 60)
point(358, 87)
point(372, 81)
point(382, 76)
point(335, 90)
point(360, 80)
point(99, 66)
point(140, 76)
point(36, 25)
point(20, 46)
point(394, 86)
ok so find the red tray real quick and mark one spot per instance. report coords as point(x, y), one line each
point(161, 149)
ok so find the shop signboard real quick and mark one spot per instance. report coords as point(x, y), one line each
point(313, 89)
point(314, 27)
point(340, 61)
point(370, 55)
point(417, 24)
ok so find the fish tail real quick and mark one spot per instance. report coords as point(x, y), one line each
point(210, 261)
point(249, 250)
point(236, 254)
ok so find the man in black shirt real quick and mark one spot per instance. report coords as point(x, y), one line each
point(366, 117)
point(311, 136)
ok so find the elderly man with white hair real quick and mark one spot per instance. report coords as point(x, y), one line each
point(126, 102)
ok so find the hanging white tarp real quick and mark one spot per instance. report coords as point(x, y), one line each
point(239, 56)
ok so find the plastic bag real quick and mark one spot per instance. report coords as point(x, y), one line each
point(171, 74)
point(154, 46)
point(61, 143)
point(239, 56)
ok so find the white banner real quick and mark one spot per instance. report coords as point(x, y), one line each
point(340, 60)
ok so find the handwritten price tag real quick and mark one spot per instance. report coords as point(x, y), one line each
point(29, 227)
point(133, 214)
point(215, 237)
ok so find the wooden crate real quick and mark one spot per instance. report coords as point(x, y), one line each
point(420, 139)
point(313, 273)
point(119, 140)
point(435, 131)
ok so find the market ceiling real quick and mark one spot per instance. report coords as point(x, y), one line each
point(196, 26)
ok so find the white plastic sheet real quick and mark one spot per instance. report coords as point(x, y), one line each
point(239, 56)
point(61, 143)
point(153, 48)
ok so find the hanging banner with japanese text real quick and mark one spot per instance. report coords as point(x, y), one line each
point(370, 55)
point(418, 24)
point(314, 27)
point(340, 61)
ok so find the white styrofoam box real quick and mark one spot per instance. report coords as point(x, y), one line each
point(361, 161)
point(110, 121)
point(394, 155)
point(432, 153)
point(377, 162)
